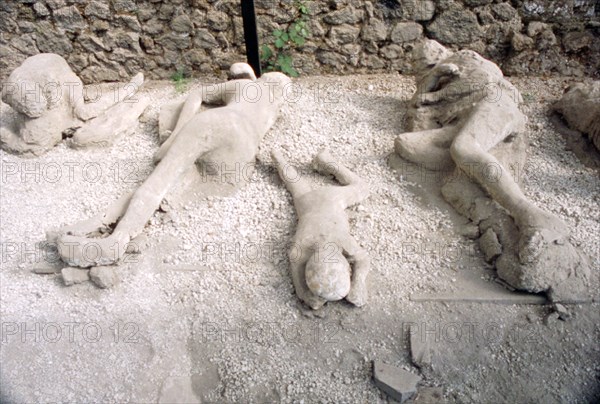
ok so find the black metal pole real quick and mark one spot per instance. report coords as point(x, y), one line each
point(251, 35)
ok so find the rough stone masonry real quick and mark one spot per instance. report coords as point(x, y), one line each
point(107, 40)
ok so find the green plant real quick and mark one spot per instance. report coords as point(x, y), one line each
point(180, 80)
point(528, 98)
point(278, 55)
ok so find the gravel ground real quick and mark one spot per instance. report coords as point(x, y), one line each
point(207, 310)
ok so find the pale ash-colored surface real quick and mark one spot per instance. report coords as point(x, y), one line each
point(465, 114)
point(46, 101)
point(323, 249)
point(200, 313)
point(225, 136)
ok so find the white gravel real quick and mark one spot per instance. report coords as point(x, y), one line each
point(210, 303)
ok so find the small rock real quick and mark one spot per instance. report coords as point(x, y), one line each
point(504, 11)
point(531, 318)
point(395, 382)
point(97, 9)
point(124, 6)
point(69, 19)
point(551, 318)
point(344, 34)
point(490, 245)
point(372, 62)
point(41, 10)
point(376, 30)
point(217, 20)
point(72, 276)
point(46, 268)
point(470, 231)
point(393, 52)
point(418, 10)
point(204, 39)
point(535, 27)
point(182, 23)
point(563, 312)
point(104, 277)
point(456, 25)
point(406, 32)
point(330, 58)
point(347, 15)
point(521, 42)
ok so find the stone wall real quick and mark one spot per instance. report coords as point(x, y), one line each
point(105, 40)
